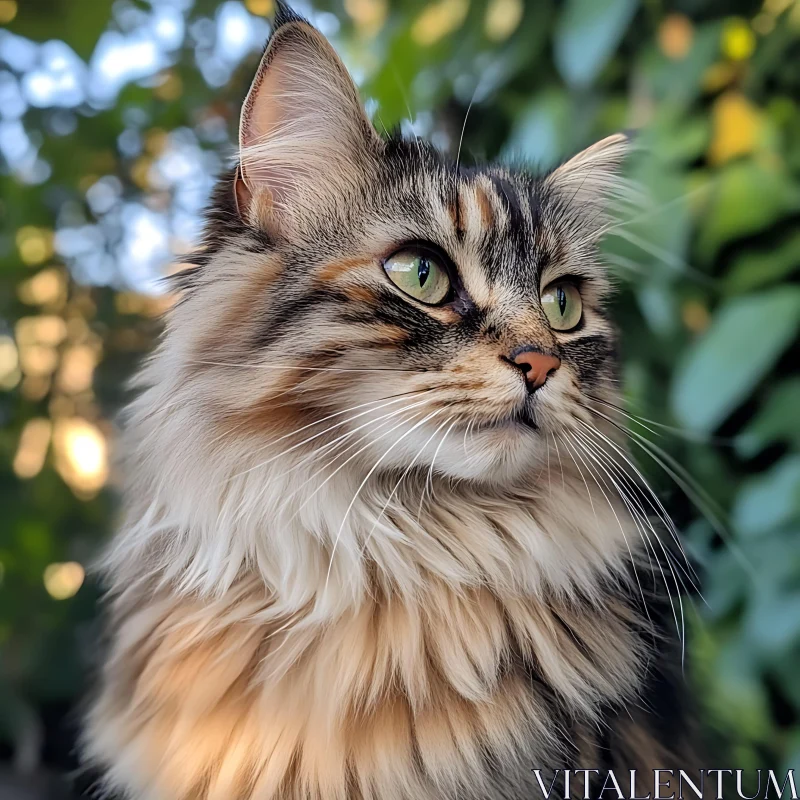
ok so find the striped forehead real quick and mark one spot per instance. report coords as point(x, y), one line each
point(491, 224)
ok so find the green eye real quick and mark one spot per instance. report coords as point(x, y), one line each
point(562, 305)
point(420, 274)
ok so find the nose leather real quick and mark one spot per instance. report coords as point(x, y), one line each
point(537, 367)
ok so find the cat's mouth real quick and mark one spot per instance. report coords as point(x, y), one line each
point(522, 418)
point(525, 418)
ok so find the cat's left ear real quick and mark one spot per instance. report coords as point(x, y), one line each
point(303, 133)
point(593, 178)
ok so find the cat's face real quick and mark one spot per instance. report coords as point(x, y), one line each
point(383, 306)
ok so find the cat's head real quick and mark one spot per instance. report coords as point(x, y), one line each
point(373, 301)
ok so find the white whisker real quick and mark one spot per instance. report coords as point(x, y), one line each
point(302, 367)
point(645, 540)
point(358, 452)
point(317, 435)
point(400, 480)
point(621, 528)
point(655, 502)
point(629, 492)
point(375, 466)
point(429, 481)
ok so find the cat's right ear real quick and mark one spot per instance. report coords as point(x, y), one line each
point(303, 133)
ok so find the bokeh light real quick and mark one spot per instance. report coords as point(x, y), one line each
point(47, 288)
point(33, 446)
point(9, 363)
point(438, 20)
point(8, 10)
point(35, 244)
point(81, 453)
point(675, 36)
point(63, 581)
point(503, 18)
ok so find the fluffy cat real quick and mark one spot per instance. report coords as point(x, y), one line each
point(382, 541)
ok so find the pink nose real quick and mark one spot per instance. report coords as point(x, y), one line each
point(536, 367)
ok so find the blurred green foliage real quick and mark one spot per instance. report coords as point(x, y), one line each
point(708, 302)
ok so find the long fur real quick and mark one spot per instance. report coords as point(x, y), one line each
point(359, 560)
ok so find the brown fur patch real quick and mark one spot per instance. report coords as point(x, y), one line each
point(333, 270)
point(380, 336)
point(485, 206)
point(467, 386)
point(360, 293)
point(220, 341)
point(444, 314)
point(260, 209)
point(462, 210)
point(276, 413)
point(452, 212)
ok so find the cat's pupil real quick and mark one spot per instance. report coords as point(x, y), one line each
point(423, 271)
point(562, 300)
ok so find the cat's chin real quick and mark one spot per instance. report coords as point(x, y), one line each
point(500, 453)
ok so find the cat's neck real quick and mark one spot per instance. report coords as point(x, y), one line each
point(327, 538)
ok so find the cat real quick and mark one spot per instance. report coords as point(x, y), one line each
point(381, 538)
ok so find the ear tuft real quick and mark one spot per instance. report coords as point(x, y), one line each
point(595, 170)
point(303, 134)
point(592, 181)
point(284, 14)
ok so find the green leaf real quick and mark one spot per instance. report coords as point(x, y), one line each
point(541, 132)
point(720, 370)
point(674, 83)
point(745, 198)
point(723, 588)
point(391, 85)
point(652, 245)
point(786, 673)
point(793, 748)
point(777, 421)
point(773, 623)
point(679, 140)
point(738, 698)
point(48, 19)
point(658, 307)
point(752, 270)
point(768, 501)
point(587, 33)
